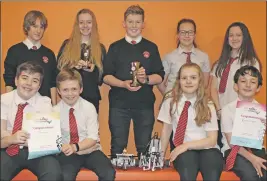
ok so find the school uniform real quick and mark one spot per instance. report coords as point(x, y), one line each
point(91, 80)
point(26, 51)
point(173, 61)
point(45, 168)
point(208, 161)
point(125, 105)
point(243, 168)
point(228, 95)
point(87, 127)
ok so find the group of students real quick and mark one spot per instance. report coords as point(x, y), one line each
point(191, 121)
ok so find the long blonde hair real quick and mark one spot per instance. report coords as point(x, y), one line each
point(203, 113)
point(72, 51)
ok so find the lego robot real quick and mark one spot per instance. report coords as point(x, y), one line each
point(152, 158)
point(124, 160)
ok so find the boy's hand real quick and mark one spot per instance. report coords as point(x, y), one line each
point(178, 151)
point(20, 137)
point(68, 149)
point(141, 75)
point(127, 85)
point(258, 163)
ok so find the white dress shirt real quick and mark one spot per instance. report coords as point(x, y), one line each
point(173, 61)
point(193, 131)
point(86, 119)
point(230, 94)
point(10, 102)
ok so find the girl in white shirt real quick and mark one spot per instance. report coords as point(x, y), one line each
point(237, 51)
point(195, 141)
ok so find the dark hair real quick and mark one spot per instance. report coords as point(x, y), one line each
point(184, 20)
point(134, 9)
point(30, 67)
point(69, 74)
point(248, 69)
point(247, 52)
point(30, 19)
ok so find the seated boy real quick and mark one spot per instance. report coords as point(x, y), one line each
point(79, 128)
point(246, 163)
point(14, 150)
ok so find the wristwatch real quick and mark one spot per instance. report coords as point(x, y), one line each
point(77, 147)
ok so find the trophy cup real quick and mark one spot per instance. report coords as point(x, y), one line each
point(134, 67)
point(85, 55)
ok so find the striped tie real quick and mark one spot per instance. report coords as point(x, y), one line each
point(225, 75)
point(13, 150)
point(188, 58)
point(74, 137)
point(230, 161)
point(181, 127)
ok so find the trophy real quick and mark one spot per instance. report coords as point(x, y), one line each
point(85, 55)
point(134, 68)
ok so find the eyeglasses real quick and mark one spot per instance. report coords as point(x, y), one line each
point(183, 33)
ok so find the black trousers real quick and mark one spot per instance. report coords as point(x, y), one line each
point(95, 161)
point(46, 168)
point(119, 124)
point(244, 168)
point(208, 161)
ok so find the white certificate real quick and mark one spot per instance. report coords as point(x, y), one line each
point(249, 125)
point(45, 133)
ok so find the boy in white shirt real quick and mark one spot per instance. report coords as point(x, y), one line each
point(79, 128)
point(14, 150)
point(247, 163)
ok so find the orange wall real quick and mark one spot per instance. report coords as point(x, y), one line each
point(161, 18)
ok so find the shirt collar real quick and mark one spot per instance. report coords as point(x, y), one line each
point(191, 100)
point(29, 44)
point(129, 39)
point(181, 50)
point(75, 107)
point(19, 100)
point(253, 101)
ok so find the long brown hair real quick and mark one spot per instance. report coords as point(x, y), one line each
point(72, 51)
point(203, 113)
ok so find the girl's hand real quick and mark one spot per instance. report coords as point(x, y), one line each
point(178, 151)
point(89, 66)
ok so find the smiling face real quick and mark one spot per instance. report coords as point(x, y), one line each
point(70, 91)
point(36, 31)
point(133, 25)
point(189, 81)
point(186, 35)
point(235, 38)
point(247, 86)
point(85, 24)
point(28, 84)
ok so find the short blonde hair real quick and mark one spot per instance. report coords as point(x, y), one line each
point(69, 74)
point(134, 9)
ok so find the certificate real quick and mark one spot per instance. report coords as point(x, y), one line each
point(45, 133)
point(249, 125)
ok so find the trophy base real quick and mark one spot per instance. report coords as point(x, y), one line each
point(135, 84)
